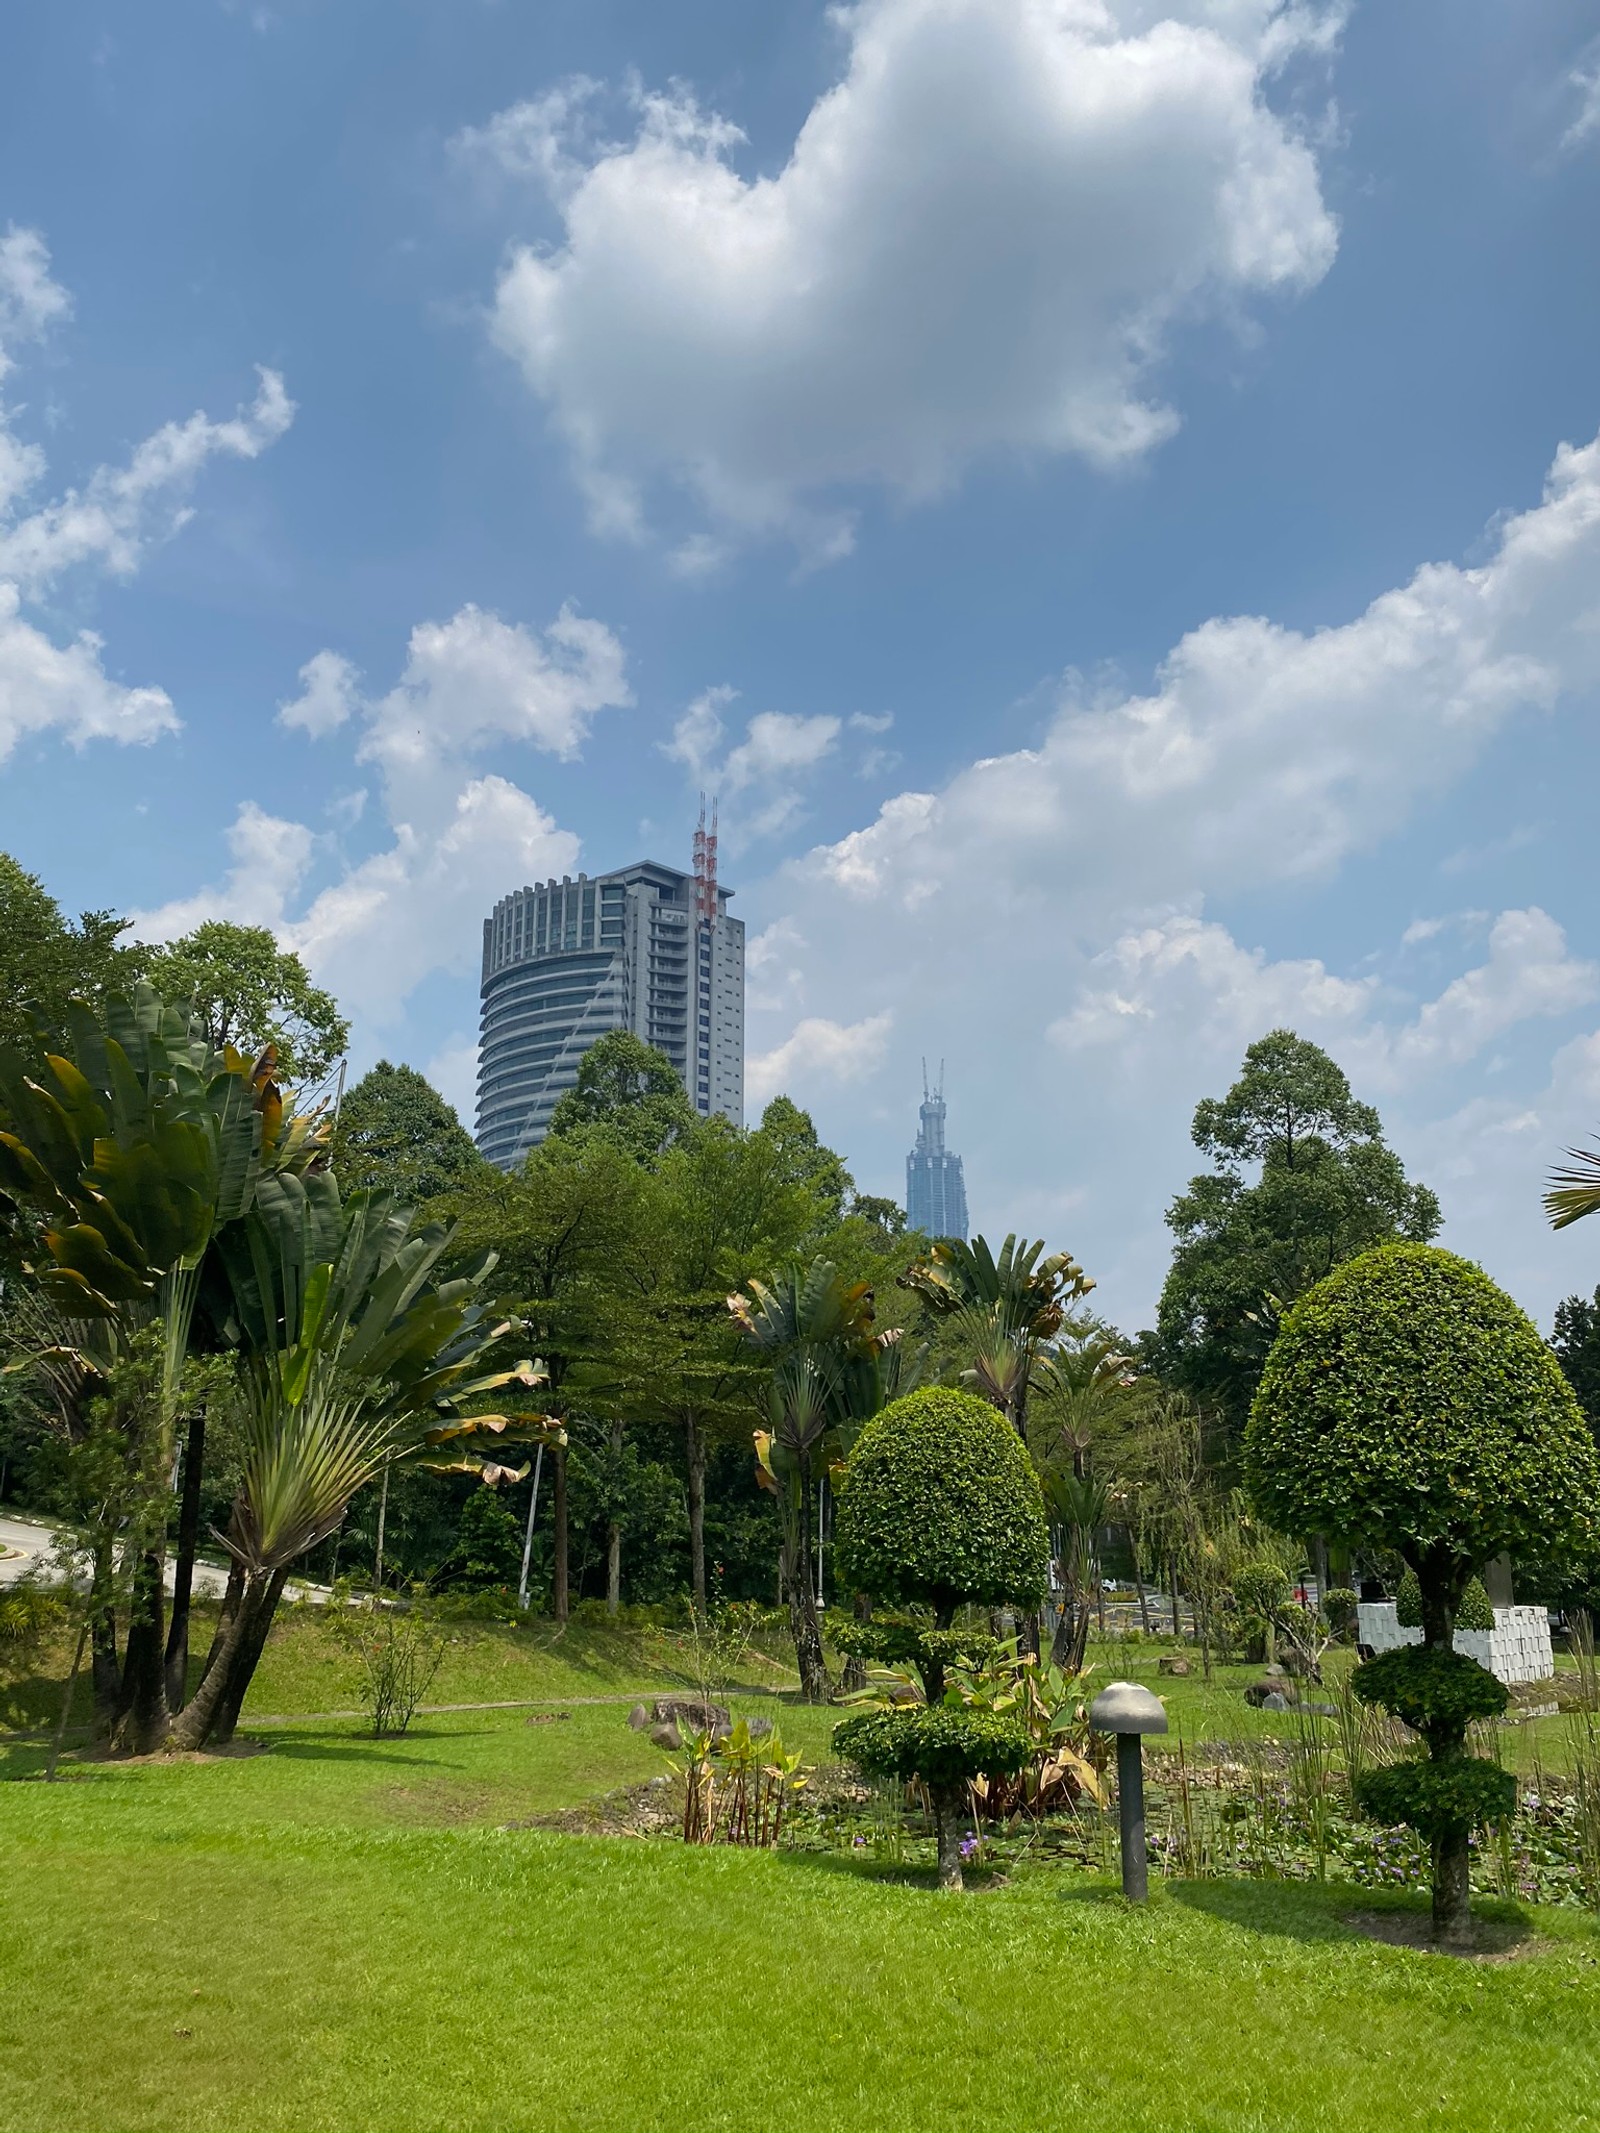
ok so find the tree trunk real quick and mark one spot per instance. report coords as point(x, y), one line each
point(194, 1452)
point(106, 1669)
point(855, 1667)
point(383, 1515)
point(803, 1624)
point(614, 1541)
point(696, 1448)
point(142, 1717)
point(1452, 1890)
point(225, 1614)
point(1138, 1586)
point(559, 1603)
point(247, 1657)
point(199, 1716)
point(947, 1832)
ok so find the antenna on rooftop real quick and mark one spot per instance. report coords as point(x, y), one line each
point(705, 866)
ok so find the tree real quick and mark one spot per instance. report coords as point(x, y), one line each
point(805, 1160)
point(629, 1090)
point(395, 1132)
point(1407, 1403)
point(250, 993)
point(940, 1510)
point(830, 1372)
point(1577, 1350)
point(45, 961)
point(1325, 1187)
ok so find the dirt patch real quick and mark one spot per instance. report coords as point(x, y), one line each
point(1494, 1940)
point(653, 1809)
point(547, 1718)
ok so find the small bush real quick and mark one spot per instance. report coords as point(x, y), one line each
point(399, 1650)
point(1430, 1690)
point(1408, 1602)
point(1475, 1611)
point(1339, 1604)
point(945, 1748)
point(1440, 1798)
point(29, 1614)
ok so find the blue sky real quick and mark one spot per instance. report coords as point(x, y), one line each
point(1083, 479)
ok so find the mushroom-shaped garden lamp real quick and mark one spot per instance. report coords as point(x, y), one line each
point(1127, 1710)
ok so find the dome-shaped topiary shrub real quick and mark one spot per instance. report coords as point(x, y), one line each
point(1408, 1403)
point(941, 1508)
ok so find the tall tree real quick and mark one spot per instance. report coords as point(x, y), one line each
point(1301, 1180)
point(805, 1160)
point(45, 960)
point(396, 1132)
point(251, 993)
point(1577, 1347)
point(630, 1090)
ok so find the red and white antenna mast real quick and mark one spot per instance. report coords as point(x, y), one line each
point(705, 867)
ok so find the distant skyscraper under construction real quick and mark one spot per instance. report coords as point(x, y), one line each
point(646, 949)
point(936, 1196)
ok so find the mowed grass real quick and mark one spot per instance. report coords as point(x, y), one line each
point(339, 1932)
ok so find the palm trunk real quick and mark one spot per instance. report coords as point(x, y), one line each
point(560, 1606)
point(105, 1666)
point(199, 1716)
point(855, 1667)
point(230, 1607)
point(803, 1623)
point(696, 1449)
point(143, 1718)
point(247, 1657)
point(183, 1563)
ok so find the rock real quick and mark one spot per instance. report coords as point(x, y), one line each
point(1271, 1686)
point(691, 1715)
point(639, 1717)
point(1172, 1663)
point(666, 1736)
point(1321, 1710)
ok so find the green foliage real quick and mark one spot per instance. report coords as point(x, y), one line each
point(941, 1506)
point(945, 1746)
point(1407, 1402)
point(29, 1614)
point(1475, 1610)
point(251, 993)
point(1262, 1587)
point(397, 1649)
point(1325, 1188)
point(1438, 1798)
point(1408, 1602)
point(396, 1133)
point(45, 961)
point(803, 1160)
point(1431, 1690)
point(900, 1643)
point(1339, 1604)
point(1577, 1346)
point(630, 1091)
point(488, 1549)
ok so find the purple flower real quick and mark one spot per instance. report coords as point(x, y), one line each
point(969, 1844)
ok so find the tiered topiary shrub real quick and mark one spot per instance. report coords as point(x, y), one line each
point(1407, 1403)
point(940, 1509)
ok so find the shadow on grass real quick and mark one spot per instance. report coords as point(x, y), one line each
point(1324, 1912)
point(353, 1750)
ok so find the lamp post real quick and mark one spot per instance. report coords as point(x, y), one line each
point(1127, 1710)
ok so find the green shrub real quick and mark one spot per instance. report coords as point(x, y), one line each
point(941, 1506)
point(898, 1642)
point(1339, 1604)
point(1438, 1798)
point(1262, 1588)
point(945, 1747)
point(1474, 1610)
point(1430, 1690)
point(1408, 1602)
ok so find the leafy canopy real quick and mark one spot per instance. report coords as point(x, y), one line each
point(251, 993)
point(941, 1506)
point(1324, 1187)
point(631, 1091)
point(45, 961)
point(1577, 1348)
point(1409, 1403)
point(397, 1133)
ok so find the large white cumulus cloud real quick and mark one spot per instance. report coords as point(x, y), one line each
point(981, 239)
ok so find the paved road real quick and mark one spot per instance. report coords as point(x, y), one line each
point(30, 1546)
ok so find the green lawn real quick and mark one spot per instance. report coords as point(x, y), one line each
point(338, 1932)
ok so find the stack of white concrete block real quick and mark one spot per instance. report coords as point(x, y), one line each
point(1516, 1649)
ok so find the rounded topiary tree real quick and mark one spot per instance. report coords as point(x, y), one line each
point(1408, 1403)
point(940, 1509)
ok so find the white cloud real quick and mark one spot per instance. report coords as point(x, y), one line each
point(453, 1070)
point(981, 241)
point(30, 300)
point(1583, 89)
point(330, 692)
point(1048, 917)
point(817, 1051)
point(118, 511)
point(45, 686)
point(761, 775)
point(271, 858)
point(475, 679)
